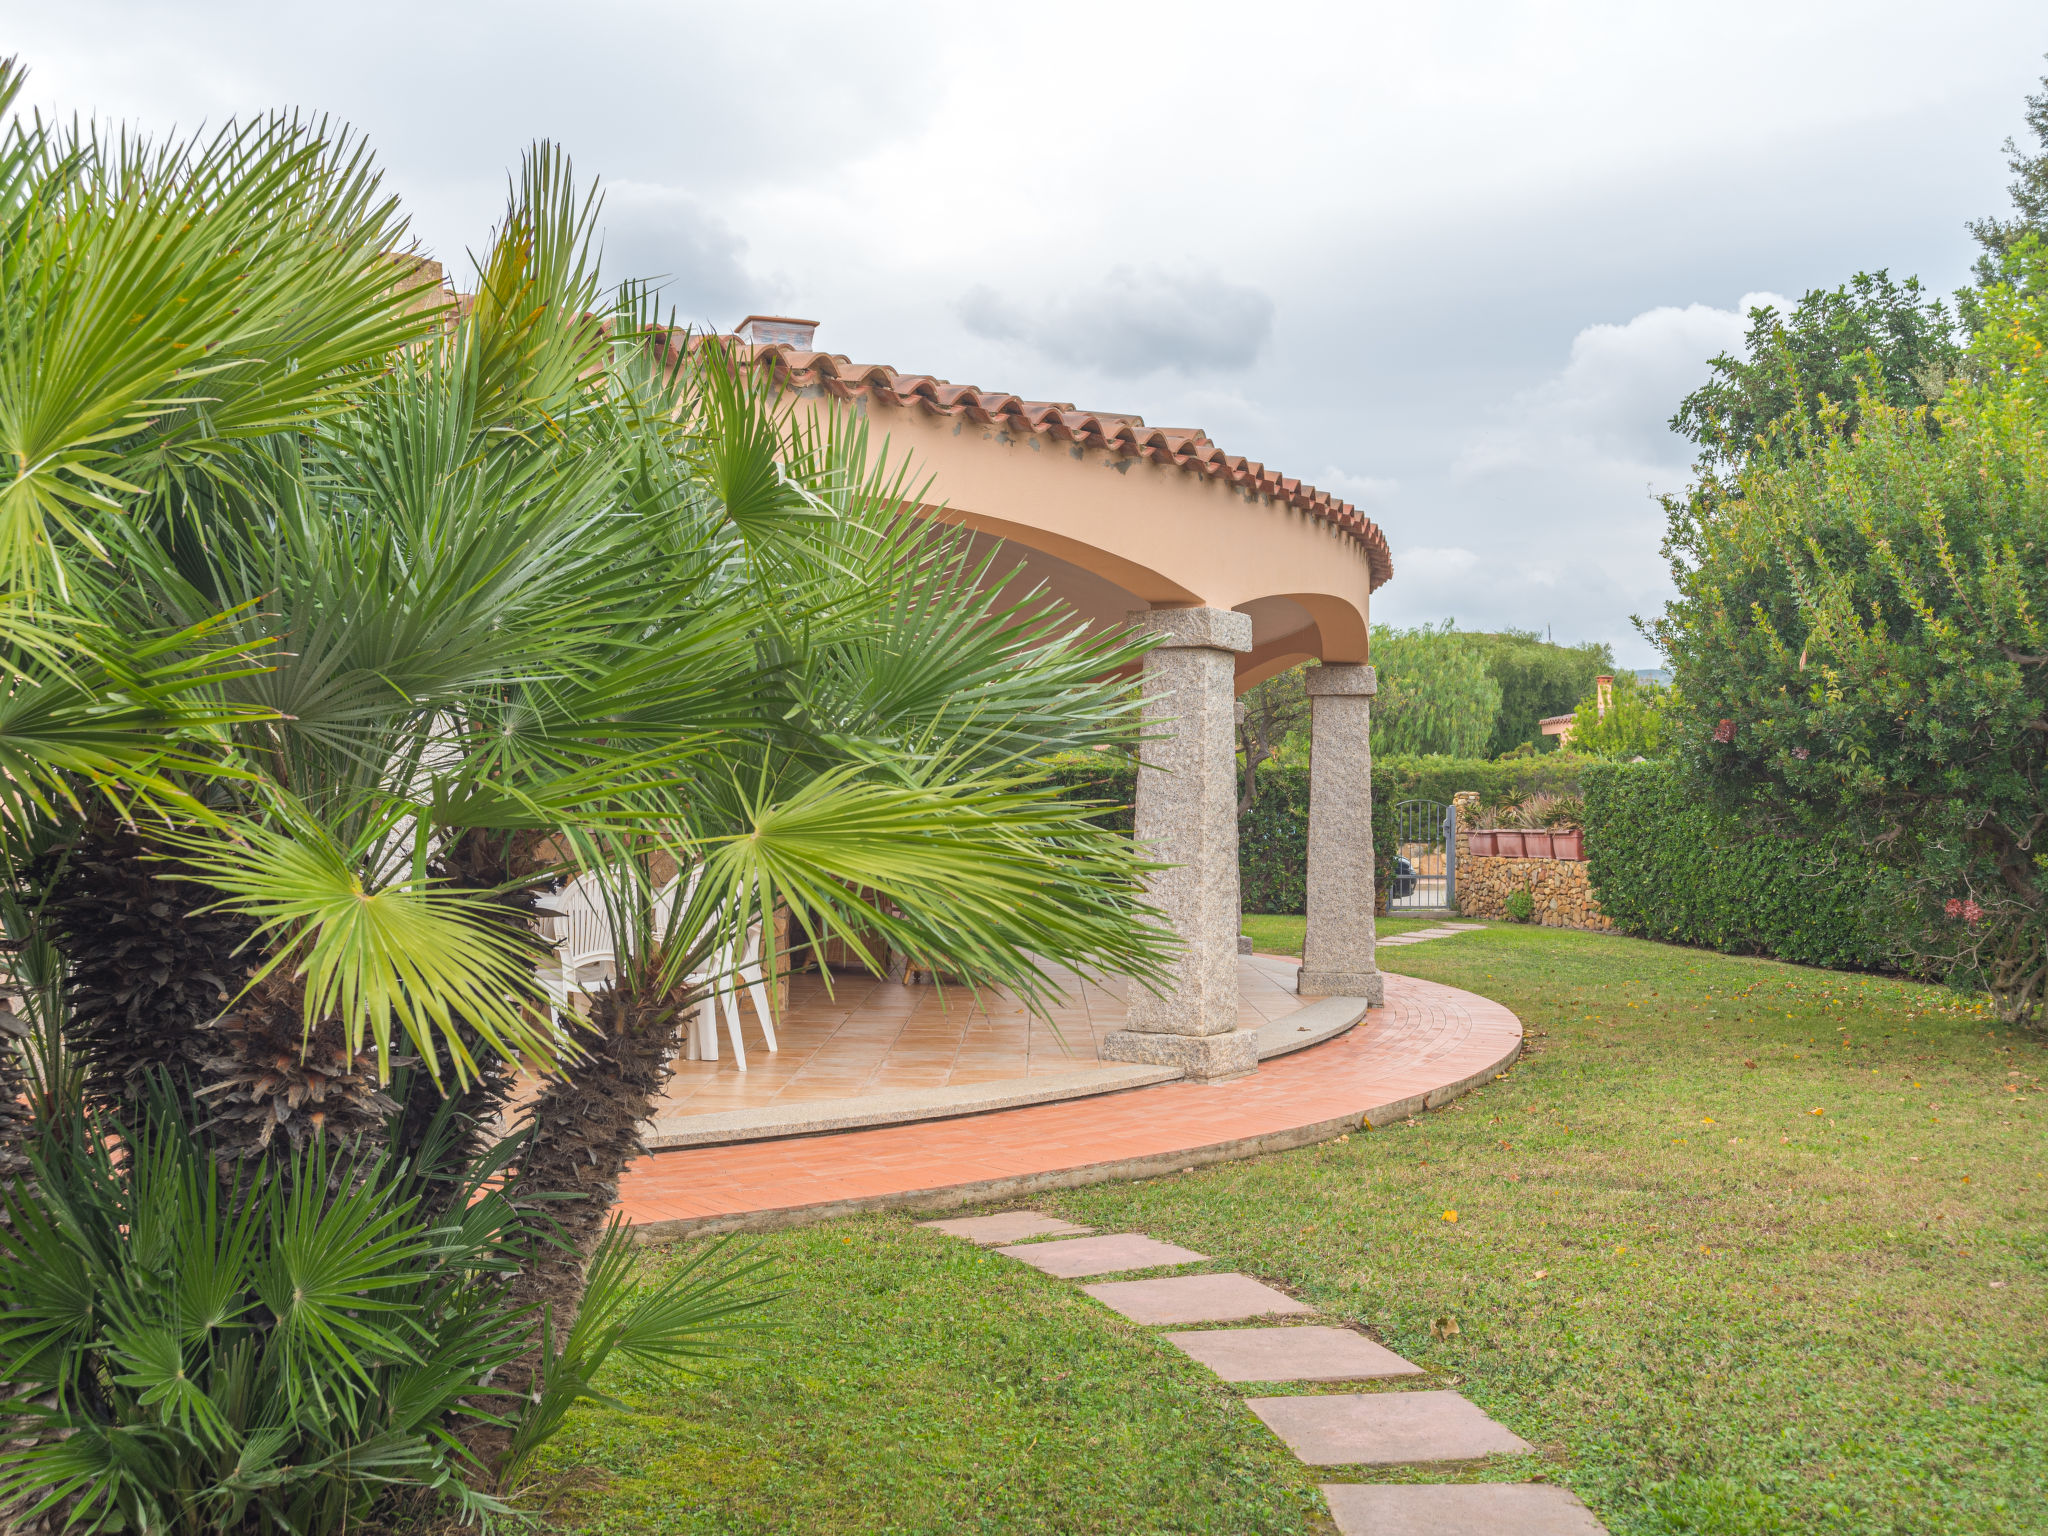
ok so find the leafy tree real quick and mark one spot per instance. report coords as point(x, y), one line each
point(1861, 644)
point(1537, 679)
point(1632, 726)
point(1435, 692)
point(1273, 711)
point(2029, 197)
point(2009, 350)
point(1872, 337)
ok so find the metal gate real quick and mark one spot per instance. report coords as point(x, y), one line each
point(1426, 856)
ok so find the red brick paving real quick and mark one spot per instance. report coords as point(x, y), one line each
point(1428, 1037)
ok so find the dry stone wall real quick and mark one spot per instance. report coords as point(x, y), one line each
point(1562, 889)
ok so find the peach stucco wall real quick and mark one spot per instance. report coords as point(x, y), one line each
point(1166, 536)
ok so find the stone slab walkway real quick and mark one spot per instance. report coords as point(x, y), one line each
point(1008, 1227)
point(1459, 1509)
point(1429, 1044)
point(1387, 1428)
point(1103, 1255)
point(1424, 935)
point(1183, 1299)
point(1304, 1353)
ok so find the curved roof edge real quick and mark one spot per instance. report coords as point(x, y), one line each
point(1187, 448)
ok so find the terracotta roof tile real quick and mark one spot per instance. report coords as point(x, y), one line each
point(1185, 447)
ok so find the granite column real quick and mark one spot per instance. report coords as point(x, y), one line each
point(1336, 954)
point(1186, 816)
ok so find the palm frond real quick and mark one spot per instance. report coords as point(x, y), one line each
point(412, 956)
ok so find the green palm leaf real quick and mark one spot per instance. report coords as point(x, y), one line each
point(406, 956)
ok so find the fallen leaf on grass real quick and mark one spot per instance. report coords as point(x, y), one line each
point(1443, 1327)
point(1450, 1215)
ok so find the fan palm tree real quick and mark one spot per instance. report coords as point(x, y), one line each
point(338, 623)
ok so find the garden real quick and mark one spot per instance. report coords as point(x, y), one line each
point(1741, 1247)
point(347, 618)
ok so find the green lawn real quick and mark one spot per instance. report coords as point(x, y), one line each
point(1710, 1308)
point(1281, 935)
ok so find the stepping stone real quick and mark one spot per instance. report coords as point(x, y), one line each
point(1466, 927)
point(1008, 1227)
point(1459, 1509)
point(1194, 1299)
point(1102, 1255)
point(1384, 1429)
point(1291, 1354)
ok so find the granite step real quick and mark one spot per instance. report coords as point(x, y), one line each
point(1385, 1429)
point(1298, 1353)
point(1459, 1509)
point(1183, 1299)
point(1076, 1257)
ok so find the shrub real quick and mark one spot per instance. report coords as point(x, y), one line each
point(1499, 784)
point(1520, 905)
point(1665, 864)
point(300, 1346)
point(1861, 646)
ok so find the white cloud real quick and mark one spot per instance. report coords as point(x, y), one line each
point(1430, 565)
point(664, 235)
point(1133, 322)
point(1367, 492)
point(1607, 411)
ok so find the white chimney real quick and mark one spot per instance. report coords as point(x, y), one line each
point(777, 331)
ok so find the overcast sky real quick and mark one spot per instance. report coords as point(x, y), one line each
point(1455, 263)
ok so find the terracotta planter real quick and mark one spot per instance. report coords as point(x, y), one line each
point(1508, 845)
point(1568, 845)
point(1536, 845)
point(1481, 845)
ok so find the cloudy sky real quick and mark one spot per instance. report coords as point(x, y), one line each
point(1456, 263)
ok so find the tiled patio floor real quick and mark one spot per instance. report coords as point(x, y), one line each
point(870, 1036)
point(1429, 1042)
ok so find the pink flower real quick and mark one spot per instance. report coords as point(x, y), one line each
point(1800, 753)
point(1953, 907)
point(1972, 912)
point(1725, 732)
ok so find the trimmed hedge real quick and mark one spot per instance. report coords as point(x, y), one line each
point(1272, 848)
point(1439, 778)
point(1666, 866)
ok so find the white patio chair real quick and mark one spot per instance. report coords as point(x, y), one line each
point(587, 957)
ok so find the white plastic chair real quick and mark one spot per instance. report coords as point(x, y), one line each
point(575, 918)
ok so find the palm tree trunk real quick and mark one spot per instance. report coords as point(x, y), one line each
point(586, 1129)
point(482, 861)
point(148, 969)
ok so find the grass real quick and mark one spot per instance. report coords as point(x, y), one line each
point(1709, 1308)
point(1281, 935)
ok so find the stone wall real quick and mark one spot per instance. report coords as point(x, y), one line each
point(1561, 888)
point(1562, 891)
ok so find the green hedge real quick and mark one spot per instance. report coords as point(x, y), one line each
point(1272, 850)
point(1665, 866)
point(1439, 778)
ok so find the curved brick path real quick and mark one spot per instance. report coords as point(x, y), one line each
point(1430, 1043)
